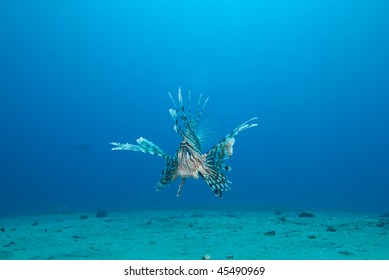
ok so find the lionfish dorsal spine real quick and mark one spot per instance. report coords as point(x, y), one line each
point(189, 121)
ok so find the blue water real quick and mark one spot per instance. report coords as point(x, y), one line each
point(76, 75)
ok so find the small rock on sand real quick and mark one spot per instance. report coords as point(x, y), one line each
point(270, 233)
point(101, 213)
point(331, 229)
point(306, 215)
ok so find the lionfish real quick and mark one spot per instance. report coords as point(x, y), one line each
point(189, 161)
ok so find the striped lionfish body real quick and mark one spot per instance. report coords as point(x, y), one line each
point(190, 161)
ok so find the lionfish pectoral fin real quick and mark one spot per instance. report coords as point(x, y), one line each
point(215, 158)
point(180, 187)
point(144, 146)
point(224, 149)
point(148, 147)
point(217, 182)
point(168, 174)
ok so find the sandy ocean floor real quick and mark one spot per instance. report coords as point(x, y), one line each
point(192, 234)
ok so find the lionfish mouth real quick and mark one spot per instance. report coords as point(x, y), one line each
point(189, 160)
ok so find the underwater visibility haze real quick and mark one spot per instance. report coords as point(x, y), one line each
point(75, 76)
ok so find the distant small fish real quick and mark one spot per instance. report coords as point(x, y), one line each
point(189, 161)
point(81, 147)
